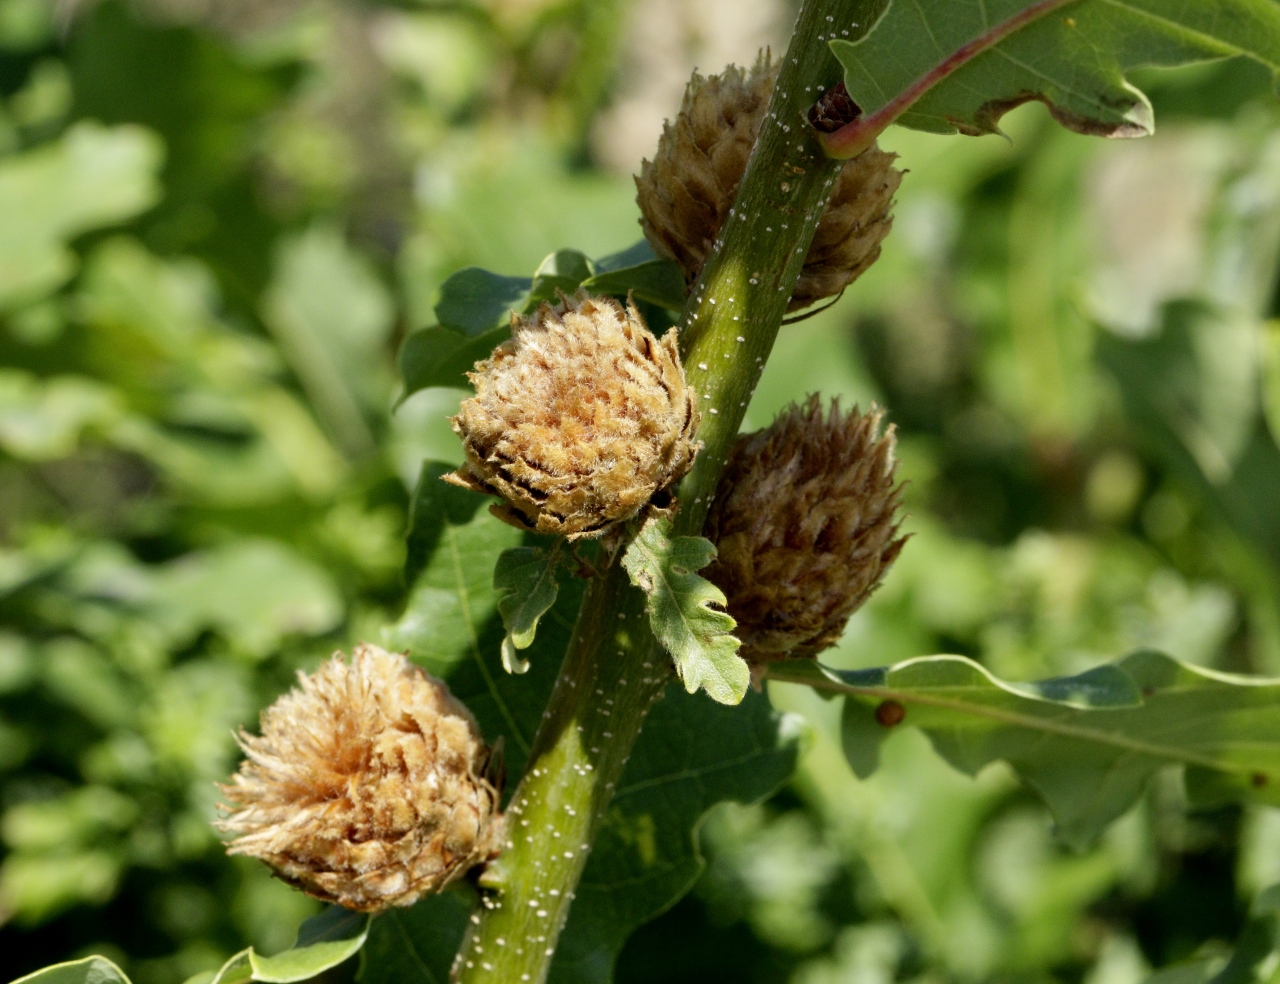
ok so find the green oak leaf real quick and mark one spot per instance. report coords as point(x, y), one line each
point(324, 941)
point(474, 301)
point(1072, 55)
point(436, 507)
point(90, 970)
point(660, 282)
point(692, 753)
point(697, 635)
point(637, 254)
point(525, 579)
point(636, 270)
point(1087, 744)
point(560, 273)
point(439, 356)
point(417, 945)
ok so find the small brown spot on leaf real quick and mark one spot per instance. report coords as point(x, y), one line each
point(889, 713)
point(1259, 779)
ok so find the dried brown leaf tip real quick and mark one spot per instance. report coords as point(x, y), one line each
point(578, 421)
point(686, 191)
point(367, 785)
point(805, 522)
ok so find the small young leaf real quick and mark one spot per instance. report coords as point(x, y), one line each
point(562, 271)
point(525, 579)
point(324, 941)
point(1087, 744)
point(90, 970)
point(680, 610)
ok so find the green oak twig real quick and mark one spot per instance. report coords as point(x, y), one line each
point(613, 670)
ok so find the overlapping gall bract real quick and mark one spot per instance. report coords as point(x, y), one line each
point(367, 786)
point(578, 421)
point(805, 523)
point(686, 191)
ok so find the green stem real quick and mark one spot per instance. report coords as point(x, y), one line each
point(614, 670)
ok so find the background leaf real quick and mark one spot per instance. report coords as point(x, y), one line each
point(1183, 403)
point(332, 317)
point(1254, 955)
point(696, 634)
point(92, 177)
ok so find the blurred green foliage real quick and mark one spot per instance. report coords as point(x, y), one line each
point(219, 220)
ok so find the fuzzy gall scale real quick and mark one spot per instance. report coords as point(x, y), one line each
point(805, 525)
point(367, 786)
point(578, 421)
point(686, 191)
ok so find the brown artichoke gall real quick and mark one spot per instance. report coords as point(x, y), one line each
point(686, 191)
point(579, 421)
point(367, 786)
point(805, 524)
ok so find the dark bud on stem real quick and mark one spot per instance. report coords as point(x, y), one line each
point(834, 110)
